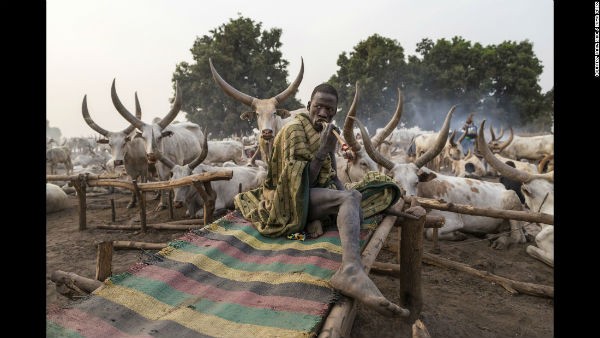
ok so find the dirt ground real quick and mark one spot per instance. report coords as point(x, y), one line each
point(455, 304)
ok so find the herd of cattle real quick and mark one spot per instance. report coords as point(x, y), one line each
point(425, 164)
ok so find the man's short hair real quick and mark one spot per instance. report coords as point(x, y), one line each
point(325, 88)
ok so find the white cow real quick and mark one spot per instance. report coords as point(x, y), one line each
point(179, 142)
point(538, 190)
point(417, 180)
point(57, 155)
point(248, 177)
point(56, 198)
point(125, 148)
point(269, 118)
point(223, 151)
point(524, 147)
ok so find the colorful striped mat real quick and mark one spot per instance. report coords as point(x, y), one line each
point(225, 280)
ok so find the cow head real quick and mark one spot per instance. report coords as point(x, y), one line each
point(149, 131)
point(496, 146)
point(410, 174)
point(117, 140)
point(263, 110)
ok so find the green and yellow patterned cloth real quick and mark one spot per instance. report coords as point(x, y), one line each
point(280, 206)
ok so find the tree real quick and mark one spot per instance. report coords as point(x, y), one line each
point(377, 63)
point(248, 58)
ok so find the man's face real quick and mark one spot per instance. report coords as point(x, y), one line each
point(322, 108)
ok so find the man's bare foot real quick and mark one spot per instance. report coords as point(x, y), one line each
point(314, 229)
point(352, 281)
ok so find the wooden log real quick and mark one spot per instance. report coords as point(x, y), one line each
point(80, 186)
point(436, 241)
point(69, 278)
point(341, 317)
point(510, 285)
point(156, 226)
point(536, 217)
point(138, 245)
point(180, 182)
point(411, 253)
point(89, 176)
point(189, 221)
point(104, 260)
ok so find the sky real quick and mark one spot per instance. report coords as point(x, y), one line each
point(139, 42)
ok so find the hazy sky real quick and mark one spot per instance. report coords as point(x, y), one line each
point(139, 42)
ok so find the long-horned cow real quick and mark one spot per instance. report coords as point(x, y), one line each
point(421, 181)
point(524, 147)
point(538, 190)
point(179, 142)
point(244, 176)
point(56, 155)
point(125, 148)
point(269, 118)
point(355, 162)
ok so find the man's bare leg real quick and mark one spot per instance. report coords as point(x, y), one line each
point(314, 228)
point(351, 279)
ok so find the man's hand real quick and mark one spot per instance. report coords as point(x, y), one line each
point(328, 142)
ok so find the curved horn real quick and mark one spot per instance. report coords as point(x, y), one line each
point(165, 160)
point(349, 124)
point(462, 137)
point(469, 154)
point(501, 133)
point(507, 142)
point(503, 168)
point(293, 86)
point(138, 114)
point(203, 153)
point(492, 133)
point(172, 114)
point(389, 127)
point(543, 162)
point(451, 140)
point(122, 110)
point(440, 142)
point(373, 153)
point(228, 89)
point(88, 118)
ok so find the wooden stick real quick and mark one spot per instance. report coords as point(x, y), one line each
point(157, 226)
point(509, 284)
point(142, 199)
point(113, 214)
point(80, 186)
point(411, 251)
point(104, 260)
point(138, 245)
point(536, 217)
point(69, 278)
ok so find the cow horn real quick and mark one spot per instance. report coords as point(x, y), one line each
point(462, 137)
point(492, 133)
point(439, 143)
point(172, 114)
point(122, 110)
point(389, 127)
point(138, 114)
point(451, 140)
point(501, 133)
point(228, 89)
point(503, 168)
point(203, 152)
point(165, 160)
point(507, 142)
point(293, 86)
point(373, 153)
point(349, 124)
point(544, 161)
point(469, 154)
point(88, 118)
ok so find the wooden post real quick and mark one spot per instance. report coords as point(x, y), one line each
point(142, 199)
point(80, 186)
point(113, 214)
point(411, 253)
point(436, 244)
point(170, 202)
point(210, 205)
point(104, 260)
point(71, 279)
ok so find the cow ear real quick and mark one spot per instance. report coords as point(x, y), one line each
point(166, 134)
point(282, 113)
point(103, 141)
point(249, 115)
point(425, 175)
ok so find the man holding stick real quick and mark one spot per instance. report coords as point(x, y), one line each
point(303, 190)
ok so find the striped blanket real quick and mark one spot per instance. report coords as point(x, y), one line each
point(224, 280)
